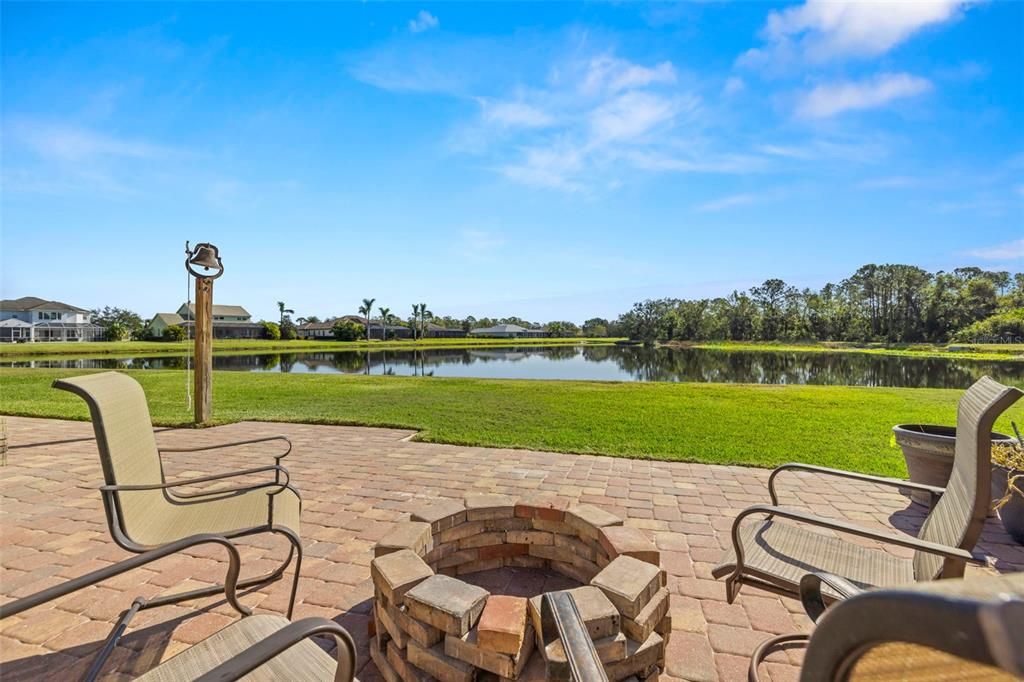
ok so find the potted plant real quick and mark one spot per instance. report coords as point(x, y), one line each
point(1008, 482)
point(928, 451)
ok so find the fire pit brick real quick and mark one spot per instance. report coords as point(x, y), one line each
point(435, 662)
point(610, 649)
point(600, 616)
point(406, 671)
point(441, 514)
point(446, 603)
point(467, 648)
point(629, 583)
point(429, 624)
point(396, 573)
point(627, 541)
point(489, 507)
point(502, 624)
point(411, 535)
point(646, 622)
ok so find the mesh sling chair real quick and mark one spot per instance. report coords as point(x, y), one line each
point(773, 554)
point(261, 647)
point(929, 632)
point(145, 511)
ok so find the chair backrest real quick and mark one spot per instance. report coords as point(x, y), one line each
point(940, 630)
point(958, 517)
point(127, 446)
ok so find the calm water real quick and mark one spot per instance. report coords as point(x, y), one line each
point(606, 363)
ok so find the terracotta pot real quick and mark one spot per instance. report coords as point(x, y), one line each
point(928, 450)
point(1011, 513)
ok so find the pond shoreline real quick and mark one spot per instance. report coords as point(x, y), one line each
point(101, 349)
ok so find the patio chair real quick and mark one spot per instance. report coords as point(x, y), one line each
point(261, 647)
point(775, 555)
point(146, 511)
point(934, 631)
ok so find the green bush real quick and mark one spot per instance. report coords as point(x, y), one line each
point(346, 330)
point(272, 331)
point(174, 333)
point(288, 331)
point(1005, 327)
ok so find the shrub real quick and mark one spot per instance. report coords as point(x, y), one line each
point(288, 331)
point(346, 330)
point(1007, 327)
point(272, 331)
point(174, 333)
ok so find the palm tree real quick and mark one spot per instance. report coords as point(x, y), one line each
point(365, 310)
point(415, 319)
point(284, 311)
point(385, 317)
point(424, 316)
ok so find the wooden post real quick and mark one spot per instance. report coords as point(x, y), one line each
point(203, 321)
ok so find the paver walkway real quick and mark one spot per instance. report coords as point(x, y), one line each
point(356, 482)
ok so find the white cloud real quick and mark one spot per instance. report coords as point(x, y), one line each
point(1001, 252)
point(834, 98)
point(631, 115)
point(515, 114)
point(726, 202)
point(733, 85)
point(424, 21)
point(610, 74)
point(822, 30)
point(67, 143)
point(548, 168)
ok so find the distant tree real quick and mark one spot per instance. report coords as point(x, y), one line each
point(347, 330)
point(288, 330)
point(312, 319)
point(175, 332)
point(271, 330)
point(119, 324)
point(284, 312)
point(366, 310)
point(562, 329)
point(385, 321)
point(595, 327)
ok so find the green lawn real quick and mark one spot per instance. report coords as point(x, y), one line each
point(100, 348)
point(847, 427)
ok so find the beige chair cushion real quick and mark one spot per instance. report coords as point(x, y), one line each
point(302, 662)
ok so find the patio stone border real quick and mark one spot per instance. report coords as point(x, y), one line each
point(428, 624)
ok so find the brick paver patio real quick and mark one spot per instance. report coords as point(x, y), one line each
point(356, 482)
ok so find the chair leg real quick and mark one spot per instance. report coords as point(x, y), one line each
point(732, 587)
point(296, 547)
point(256, 581)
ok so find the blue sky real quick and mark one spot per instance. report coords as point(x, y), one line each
point(552, 161)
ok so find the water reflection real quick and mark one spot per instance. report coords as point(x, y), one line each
point(604, 363)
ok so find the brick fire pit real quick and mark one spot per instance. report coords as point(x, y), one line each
point(429, 624)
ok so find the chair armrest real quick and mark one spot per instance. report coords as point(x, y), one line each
point(935, 491)
point(811, 596)
point(107, 572)
point(280, 485)
point(232, 444)
point(288, 636)
point(843, 527)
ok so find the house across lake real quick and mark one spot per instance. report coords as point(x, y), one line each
point(229, 322)
point(35, 319)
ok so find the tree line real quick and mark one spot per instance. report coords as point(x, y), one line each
point(878, 303)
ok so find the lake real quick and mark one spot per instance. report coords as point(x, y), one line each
point(603, 363)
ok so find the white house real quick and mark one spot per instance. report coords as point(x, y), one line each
point(508, 331)
point(35, 319)
point(229, 322)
